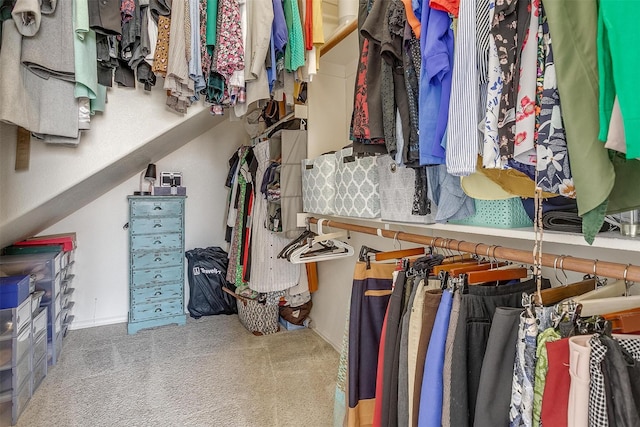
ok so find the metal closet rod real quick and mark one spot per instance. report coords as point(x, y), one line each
point(613, 270)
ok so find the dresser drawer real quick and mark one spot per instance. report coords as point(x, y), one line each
point(156, 241)
point(155, 208)
point(155, 225)
point(148, 276)
point(152, 294)
point(156, 310)
point(154, 260)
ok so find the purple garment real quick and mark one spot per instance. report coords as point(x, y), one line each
point(279, 32)
point(271, 70)
point(436, 42)
point(430, 412)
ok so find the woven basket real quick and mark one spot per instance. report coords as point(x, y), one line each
point(257, 318)
point(507, 213)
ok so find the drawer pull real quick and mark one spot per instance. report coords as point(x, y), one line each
point(157, 225)
point(157, 310)
point(157, 208)
point(157, 294)
point(158, 276)
point(157, 242)
point(156, 259)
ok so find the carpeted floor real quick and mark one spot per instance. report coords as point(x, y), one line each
point(211, 372)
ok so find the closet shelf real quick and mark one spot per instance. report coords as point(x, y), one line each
point(608, 240)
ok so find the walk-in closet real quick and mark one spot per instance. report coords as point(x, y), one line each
point(321, 213)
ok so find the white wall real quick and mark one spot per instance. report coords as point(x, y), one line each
point(331, 99)
point(132, 118)
point(102, 262)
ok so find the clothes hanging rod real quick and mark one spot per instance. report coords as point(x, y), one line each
point(265, 132)
point(338, 36)
point(581, 265)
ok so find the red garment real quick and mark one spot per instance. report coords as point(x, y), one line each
point(555, 399)
point(247, 240)
point(308, 26)
point(377, 411)
point(449, 6)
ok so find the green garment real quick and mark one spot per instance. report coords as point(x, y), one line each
point(86, 66)
point(625, 195)
point(573, 25)
point(618, 64)
point(100, 102)
point(212, 22)
point(542, 366)
point(294, 51)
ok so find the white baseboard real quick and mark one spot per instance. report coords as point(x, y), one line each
point(97, 322)
point(336, 346)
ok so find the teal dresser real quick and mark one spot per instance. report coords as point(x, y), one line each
point(156, 273)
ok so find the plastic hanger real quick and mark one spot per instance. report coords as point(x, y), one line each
point(321, 250)
point(615, 289)
point(322, 247)
point(603, 306)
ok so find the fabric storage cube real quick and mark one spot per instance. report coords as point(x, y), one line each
point(256, 317)
point(397, 189)
point(357, 185)
point(319, 184)
point(507, 213)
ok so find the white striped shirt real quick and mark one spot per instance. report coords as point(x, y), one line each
point(462, 133)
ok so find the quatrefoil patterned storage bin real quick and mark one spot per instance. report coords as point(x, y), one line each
point(319, 184)
point(357, 185)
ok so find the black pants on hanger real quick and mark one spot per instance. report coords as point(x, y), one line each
point(477, 310)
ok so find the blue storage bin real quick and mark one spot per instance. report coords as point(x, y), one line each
point(13, 291)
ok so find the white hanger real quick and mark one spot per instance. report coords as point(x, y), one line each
point(342, 249)
point(599, 306)
point(615, 289)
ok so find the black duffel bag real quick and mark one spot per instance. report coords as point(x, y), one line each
point(207, 272)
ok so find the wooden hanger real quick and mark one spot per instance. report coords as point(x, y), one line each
point(448, 267)
point(625, 322)
point(547, 297)
point(399, 254)
point(471, 267)
point(496, 275)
